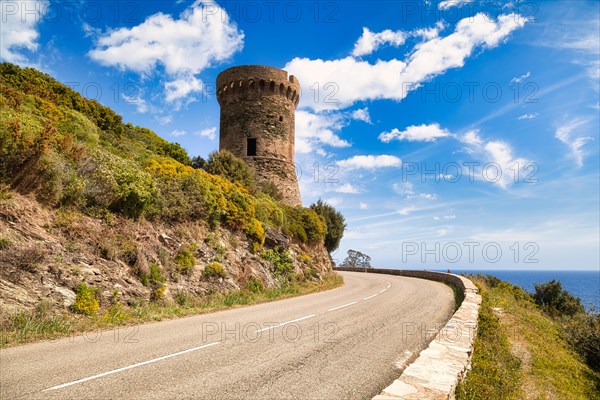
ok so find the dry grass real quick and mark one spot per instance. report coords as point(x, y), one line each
point(40, 324)
point(542, 364)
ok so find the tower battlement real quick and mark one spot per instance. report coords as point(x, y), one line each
point(251, 82)
point(258, 104)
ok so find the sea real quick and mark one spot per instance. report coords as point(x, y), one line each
point(582, 284)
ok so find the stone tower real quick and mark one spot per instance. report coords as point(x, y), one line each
point(257, 123)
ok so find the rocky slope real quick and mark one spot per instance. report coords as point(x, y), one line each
point(46, 253)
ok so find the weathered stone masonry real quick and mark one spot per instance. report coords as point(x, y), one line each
point(257, 123)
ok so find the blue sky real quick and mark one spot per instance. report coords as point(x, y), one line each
point(451, 134)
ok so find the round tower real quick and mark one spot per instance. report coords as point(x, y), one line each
point(257, 123)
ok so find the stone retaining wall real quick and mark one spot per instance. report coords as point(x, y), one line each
point(444, 363)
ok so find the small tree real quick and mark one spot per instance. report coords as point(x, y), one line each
point(335, 224)
point(198, 162)
point(555, 300)
point(230, 167)
point(356, 259)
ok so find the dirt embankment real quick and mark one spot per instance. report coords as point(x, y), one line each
point(45, 254)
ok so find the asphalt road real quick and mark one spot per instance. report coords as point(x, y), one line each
point(346, 343)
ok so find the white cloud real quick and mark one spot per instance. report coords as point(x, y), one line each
point(362, 114)
point(370, 41)
point(521, 78)
point(360, 80)
point(499, 165)
point(363, 206)
point(347, 188)
point(140, 104)
point(406, 210)
point(420, 133)
point(429, 33)
point(528, 116)
point(404, 188)
point(450, 216)
point(441, 232)
point(446, 4)
point(407, 189)
point(182, 88)
point(90, 31)
point(184, 46)
point(334, 201)
point(566, 135)
point(471, 137)
point(167, 119)
point(315, 130)
point(370, 162)
point(579, 35)
point(210, 133)
point(178, 133)
point(18, 29)
point(501, 154)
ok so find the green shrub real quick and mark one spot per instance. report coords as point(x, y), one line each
point(270, 189)
point(115, 313)
point(85, 302)
point(583, 333)
point(254, 285)
point(187, 193)
point(155, 280)
point(158, 293)
point(556, 301)
point(134, 187)
point(4, 243)
point(176, 152)
point(182, 298)
point(185, 259)
point(304, 224)
point(84, 130)
point(281, 262)
point(230, 167)
point(48, 176)
point(256, 232)
point(268, 211)
point(214, 270)
point(334, 222)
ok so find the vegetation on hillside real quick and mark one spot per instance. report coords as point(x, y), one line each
point(529, 346)
point(74, 153)
point(335, 224)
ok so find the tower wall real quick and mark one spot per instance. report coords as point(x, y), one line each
point(257, 111)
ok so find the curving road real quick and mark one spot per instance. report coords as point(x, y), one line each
point(347, 343)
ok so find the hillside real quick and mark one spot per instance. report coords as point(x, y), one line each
point(527, 351)
point(97, 214)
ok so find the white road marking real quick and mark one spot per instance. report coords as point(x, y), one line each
point(389, 285)
point(382, 290)
point(286, 323)
point(370, 297)
point(114, 371)
point(338, 307)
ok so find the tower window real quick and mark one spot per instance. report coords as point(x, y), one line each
point(280, 118)
point(251, 147)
